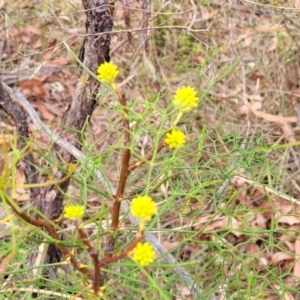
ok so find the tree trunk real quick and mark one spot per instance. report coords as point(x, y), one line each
point(95, 51)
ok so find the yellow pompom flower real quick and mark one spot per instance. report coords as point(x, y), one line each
point(108, 72)
point(73, 212)
point(143, 208)
point(185, 99)
point(175, 139)
point(143, 254)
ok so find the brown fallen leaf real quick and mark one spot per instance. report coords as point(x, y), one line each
point(61, 61)
point(290, 220)
point(169, 246)
point(257, 74)
point(273, 44)
point(280, 256)
point(184, 292)
point(288, 132)
point(290, 245)
point(20, 193)
point(2, 2)
point(243, 110)
point(258, 221)
point(3, 265)
point(274, 118)
point(50, 50)
point(46, 114)
point(283, 294)
point(297, 259)
point(256, 105)
point(226, 222)
point(231, 94)
point(291, 281)
point(32, 88)
point(252, 249)
point(31, 29)
point(296, 3)
point(272, 297)
point(238, 182)
point(278, 205)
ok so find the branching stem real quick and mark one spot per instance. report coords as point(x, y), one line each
point(124, 168)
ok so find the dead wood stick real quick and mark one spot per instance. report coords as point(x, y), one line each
point(20, 98)
point(17, 114)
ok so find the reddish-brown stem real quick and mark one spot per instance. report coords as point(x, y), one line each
point(67, 253)
point(40, 223)
point(107, 260)
point(124, 168)
point(94, 255)
point(37, 223)
point(147, 158)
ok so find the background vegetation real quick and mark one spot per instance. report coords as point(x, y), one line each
point(228, 208)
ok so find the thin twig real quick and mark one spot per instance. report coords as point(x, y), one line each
point(137, 164)
point(94, 255)
point(192, 22)
point(126, 17)
point(108, 260)
point(146, 7)
point(67, 253)
point(286, 8)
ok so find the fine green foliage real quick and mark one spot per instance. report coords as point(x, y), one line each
point(218, 186)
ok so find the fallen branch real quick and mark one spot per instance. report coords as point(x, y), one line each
point(17, 114)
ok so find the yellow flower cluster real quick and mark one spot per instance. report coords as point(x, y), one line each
point(108, 72)
point(185, 99)
point(73, 212)
point(143, 254)
point(175, 139)
point(143, 208)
